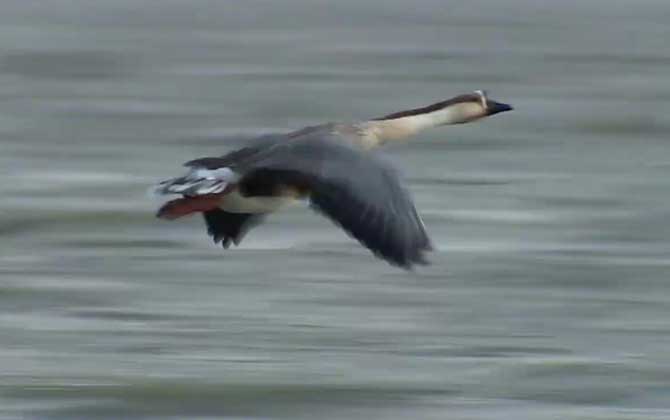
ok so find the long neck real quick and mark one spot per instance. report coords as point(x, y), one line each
point(401, 127)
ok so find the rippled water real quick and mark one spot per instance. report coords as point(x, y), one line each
point(548, 296)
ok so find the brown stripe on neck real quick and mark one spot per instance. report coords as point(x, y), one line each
point(430, 108)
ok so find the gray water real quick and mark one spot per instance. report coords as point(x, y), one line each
point(548, 296)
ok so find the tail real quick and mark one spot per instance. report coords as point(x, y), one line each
point(180, 207)
point(202, 190)
point(198, 181)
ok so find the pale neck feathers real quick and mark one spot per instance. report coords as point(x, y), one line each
point(377, 132)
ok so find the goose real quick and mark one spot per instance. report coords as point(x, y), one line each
point(332, 166)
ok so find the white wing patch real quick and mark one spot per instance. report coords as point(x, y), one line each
point(198, 181)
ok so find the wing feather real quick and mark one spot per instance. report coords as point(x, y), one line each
point(354, 188)
point(357, 190)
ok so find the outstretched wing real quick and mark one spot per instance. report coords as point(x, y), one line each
point(355, 189)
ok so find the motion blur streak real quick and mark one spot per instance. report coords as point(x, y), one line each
point(548, 297)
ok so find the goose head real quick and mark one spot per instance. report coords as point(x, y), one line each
point(460, 109)
point(469, 107)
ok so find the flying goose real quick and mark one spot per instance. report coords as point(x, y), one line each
point(330, 165)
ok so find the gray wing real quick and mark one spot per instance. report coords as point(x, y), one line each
point(355, 189)
point(211, 175)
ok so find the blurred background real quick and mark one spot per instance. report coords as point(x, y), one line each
point(548, 296)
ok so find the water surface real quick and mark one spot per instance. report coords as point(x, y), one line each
point(548, 294)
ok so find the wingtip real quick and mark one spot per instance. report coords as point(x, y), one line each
point(409, 263)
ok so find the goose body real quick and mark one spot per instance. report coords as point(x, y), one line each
point(333, 167)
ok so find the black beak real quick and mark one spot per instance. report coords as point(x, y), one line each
point(494, 107)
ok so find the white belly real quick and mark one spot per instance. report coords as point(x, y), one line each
point(233, 202)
